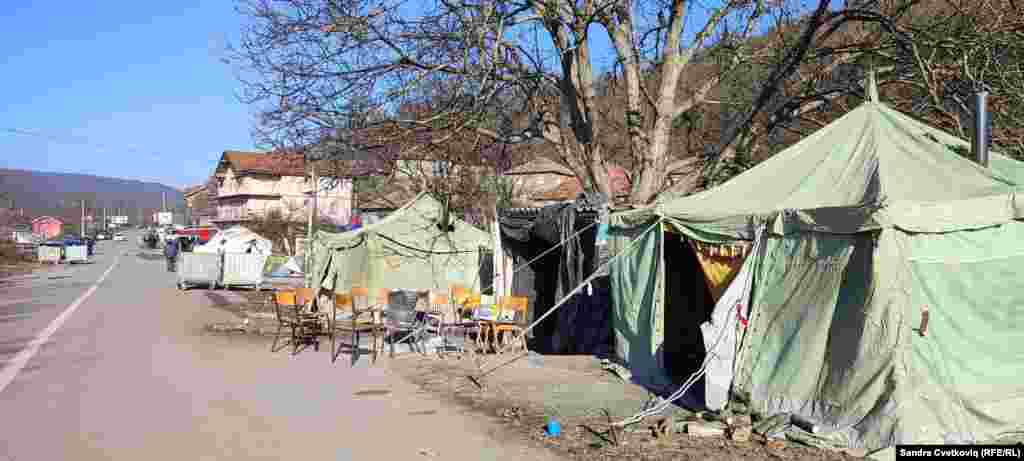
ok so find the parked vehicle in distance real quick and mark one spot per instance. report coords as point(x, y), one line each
point(202, 234)
point(55, 244)
point(120, 237)
point(74, 240)
point(102, 236)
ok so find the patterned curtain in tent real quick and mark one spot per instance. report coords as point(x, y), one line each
point(720, 262)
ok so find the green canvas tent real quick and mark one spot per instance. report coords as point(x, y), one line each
point(406, 250)
point(853, 234)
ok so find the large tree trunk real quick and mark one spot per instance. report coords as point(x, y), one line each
point(577, 131)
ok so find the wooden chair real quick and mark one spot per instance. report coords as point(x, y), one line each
point(382, 299)
point(373, 310)
point(362, 305)
point(312, 322)
point(286, 309)
point(464, 302)
point(360, 294)
point(305, 297)
point(439, 317)
point(346, 319)
point(459, 294)
point(517, 305)
point(482, 329)
point(439, 305)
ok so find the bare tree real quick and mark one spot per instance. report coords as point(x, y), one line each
point(316, 66)
point(460, 168)
point(966, 46)
point(930, 56)
point(283, 225)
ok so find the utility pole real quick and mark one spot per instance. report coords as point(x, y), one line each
point(163, 201)
point(309, 227)
point(83, 219)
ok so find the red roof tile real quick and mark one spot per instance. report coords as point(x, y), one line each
point(276, 164)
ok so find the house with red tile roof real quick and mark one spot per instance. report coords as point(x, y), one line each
point(47, 227)
point(251, 184)
point(543, 181)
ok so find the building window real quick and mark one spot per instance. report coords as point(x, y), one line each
point(441, 168)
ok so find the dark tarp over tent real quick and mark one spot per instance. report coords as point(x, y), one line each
point(853, 233)
point(582, 325)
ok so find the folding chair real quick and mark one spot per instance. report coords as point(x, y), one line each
point(345, 319)
point(401, 319)
point(512, 319)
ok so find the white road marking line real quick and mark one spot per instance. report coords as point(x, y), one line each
point(15, 366)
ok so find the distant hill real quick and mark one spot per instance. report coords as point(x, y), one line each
point(58, 194)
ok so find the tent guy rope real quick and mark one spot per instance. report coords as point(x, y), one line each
point(733, 316)
point(527, 264)
point(597, 273)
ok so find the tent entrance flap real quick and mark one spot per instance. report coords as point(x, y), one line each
point(688, 303)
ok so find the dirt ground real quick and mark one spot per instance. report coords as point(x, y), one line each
point(16, 268)
point(522, 394)
point(585, 399)
point(258, 301)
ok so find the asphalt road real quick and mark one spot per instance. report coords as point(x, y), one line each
point(118, 367)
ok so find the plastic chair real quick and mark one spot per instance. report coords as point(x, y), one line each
point(346, 319)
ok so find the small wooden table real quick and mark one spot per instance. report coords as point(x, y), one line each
point(489, 329)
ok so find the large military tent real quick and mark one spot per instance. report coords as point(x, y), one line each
point(806, 280)
point(409, 249)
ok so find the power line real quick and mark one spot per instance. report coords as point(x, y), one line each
point(76, 140)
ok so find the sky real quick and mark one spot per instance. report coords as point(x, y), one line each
point(133, 90)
